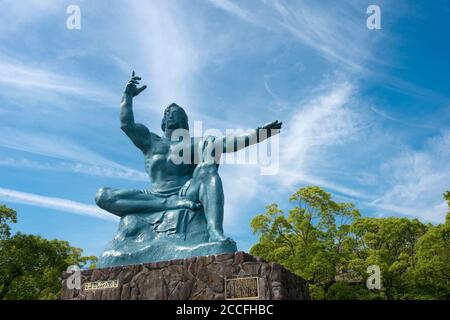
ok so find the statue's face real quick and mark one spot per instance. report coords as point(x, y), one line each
point(174, 118)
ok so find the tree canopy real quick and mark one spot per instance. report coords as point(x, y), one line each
point(31, 266)
point(7, 215)
point(330, 245)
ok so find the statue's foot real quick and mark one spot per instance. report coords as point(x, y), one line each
point(187, 204)
point(216, 236)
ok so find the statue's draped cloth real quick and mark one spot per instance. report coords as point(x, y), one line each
point(164, 235)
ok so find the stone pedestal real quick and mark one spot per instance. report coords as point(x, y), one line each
point(226, 276)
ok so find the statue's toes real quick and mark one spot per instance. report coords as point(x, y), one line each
point(188, 204)
point(194, 206)
point(197, 206)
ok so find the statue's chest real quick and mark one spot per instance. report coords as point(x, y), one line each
point(167, 159)
point(161, 149)
point(169, 152)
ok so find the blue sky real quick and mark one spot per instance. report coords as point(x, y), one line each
point(366, 112)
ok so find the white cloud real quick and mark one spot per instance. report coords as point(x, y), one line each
point(81, 159)
point(325, 121)
point(241, 185)
point(434, 213)
point(50, 146)
point(15, 75)
point(65, 205)
point(235, 9)
point(329, 119)
point(21, 14)
point(338, 32)
point(416, 180)
point(89, 169)
point(327, 31)
point(331, 32)
point(168, 55)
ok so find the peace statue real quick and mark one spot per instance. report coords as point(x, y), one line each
point(181, 214)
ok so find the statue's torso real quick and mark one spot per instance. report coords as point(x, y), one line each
point(159, 164)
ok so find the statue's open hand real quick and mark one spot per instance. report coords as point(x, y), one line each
point(132, 88)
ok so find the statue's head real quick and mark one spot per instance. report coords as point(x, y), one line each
point(174, 118)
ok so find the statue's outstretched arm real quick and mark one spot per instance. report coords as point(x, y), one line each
point(236, 142)
point(138, 133)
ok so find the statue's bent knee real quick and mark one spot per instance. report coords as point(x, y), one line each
point(206, 170)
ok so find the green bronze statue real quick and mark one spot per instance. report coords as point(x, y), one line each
point(181, 214)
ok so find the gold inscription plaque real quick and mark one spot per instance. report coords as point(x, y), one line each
point(98, 285)
point(242, 288)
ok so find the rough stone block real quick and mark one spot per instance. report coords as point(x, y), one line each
point(197, 278)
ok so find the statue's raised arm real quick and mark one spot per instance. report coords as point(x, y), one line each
point(138, 133)
point(236, 142)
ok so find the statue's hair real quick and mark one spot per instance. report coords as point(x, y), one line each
point(184, 117)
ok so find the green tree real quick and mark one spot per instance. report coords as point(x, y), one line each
point(7, 215)
point(390, 244)
point(432, 272)
point(312, 240)
point(331, 246)
point(447, 197)
point(31, 266)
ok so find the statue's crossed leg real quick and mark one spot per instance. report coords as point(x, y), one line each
point(122, 202)
point(204, 189)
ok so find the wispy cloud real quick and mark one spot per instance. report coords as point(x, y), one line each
point(386, 116)
point(315, 27)
point(20, 14)
point(410, 88)
point(241, 185)
point(168, 54)
point(334, 118)
point(77, 158)
point(330, 119)
point(321, 123)
point(321, 30)
point(49, 145)
point(236, 10)
point(325, 120)
point(65, 205)
point(89, 169)
point(335, 115)
point(434, 213)
point(416, 180)
point(338, 33)
point(279, 102)
point(28, 79)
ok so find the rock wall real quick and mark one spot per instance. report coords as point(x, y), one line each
point(197, 278)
